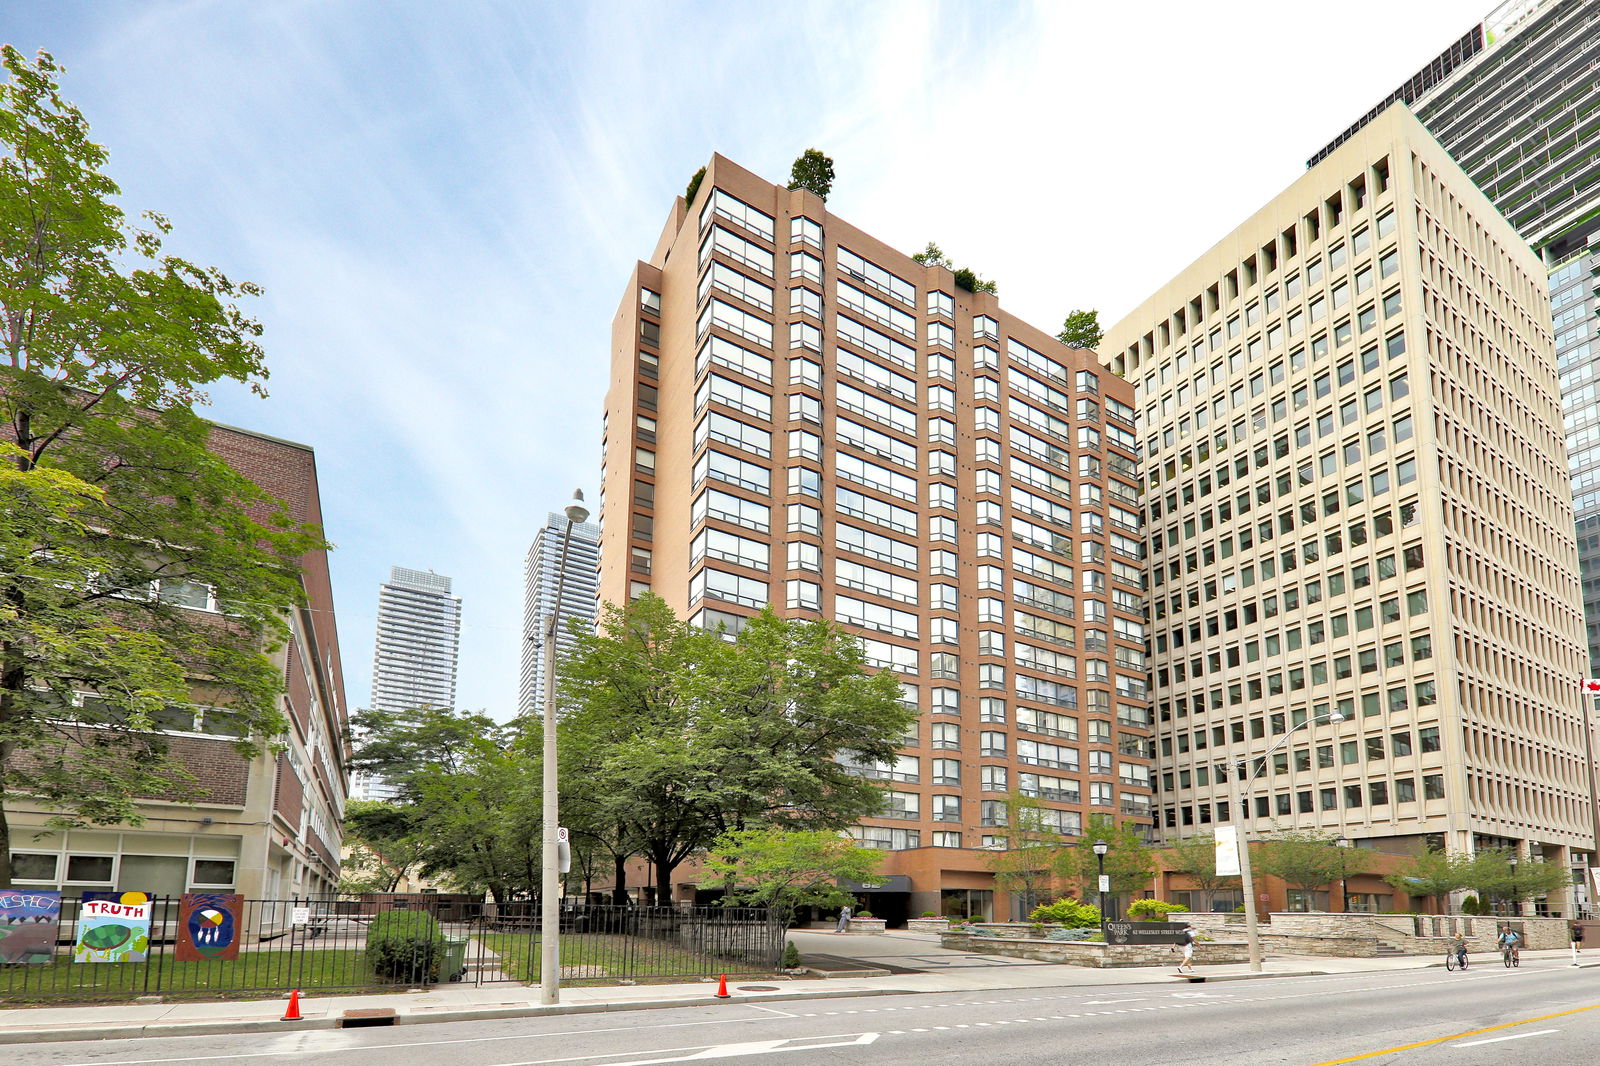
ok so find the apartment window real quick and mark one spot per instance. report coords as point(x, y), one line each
point(804, 231)
point(805, 595)
point(946, 839)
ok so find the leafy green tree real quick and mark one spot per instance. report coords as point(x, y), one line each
point(812, 171)
point(686, 736)
point(694, 186)
point(933, 255)
point(384, 846)
point(1307, 859)
point(1489, 872)
point(114, 510)
point(1432, 873)
point(1130, 863)
point(1025, 865)
point(786, 869)
point(1196, 856)
point(468, 792)
point(1081, 330)
point(967, 278)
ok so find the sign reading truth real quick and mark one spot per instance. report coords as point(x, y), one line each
point(113, 931)
point(29, 924)
point(208, 926)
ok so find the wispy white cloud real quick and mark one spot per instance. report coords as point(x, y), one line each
point(444, 200)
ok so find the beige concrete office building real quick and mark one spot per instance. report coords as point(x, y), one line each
point(1358, 502)
point(802, 415)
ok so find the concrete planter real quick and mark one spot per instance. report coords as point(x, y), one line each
point(867, 925)
point(938, 925)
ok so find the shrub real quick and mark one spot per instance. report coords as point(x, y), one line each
point(864, 914)
point(791, 956)
point(1068, 913)
point(405, 946)
point(929, 914)
point(1153, 909)
point(1471, 905)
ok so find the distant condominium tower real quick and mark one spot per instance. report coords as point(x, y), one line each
point(1358, 508)
point(1516, 102)
point(414, 659)
point(542, 572)
point(419, 636)
point(801, 415)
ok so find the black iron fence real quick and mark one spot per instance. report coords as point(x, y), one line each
point(376, 943)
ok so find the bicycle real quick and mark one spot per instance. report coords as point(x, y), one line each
point(1510, 956)
point(1455, 960)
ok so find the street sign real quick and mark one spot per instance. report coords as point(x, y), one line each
point(299, 915)
point(1123, 932)
point(561, 834)
point(1105, 882)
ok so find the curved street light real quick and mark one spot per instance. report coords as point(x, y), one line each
point(1247, 880)
point(550, 882)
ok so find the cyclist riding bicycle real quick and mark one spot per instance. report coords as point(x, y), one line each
point(1458, 948)
point(1510, 939)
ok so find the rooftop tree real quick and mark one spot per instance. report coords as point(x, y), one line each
point(1081, 330)
point(812, 171)
point(115, 515)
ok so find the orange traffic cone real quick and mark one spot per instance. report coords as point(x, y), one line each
point(293, 1013)
point(722, 987)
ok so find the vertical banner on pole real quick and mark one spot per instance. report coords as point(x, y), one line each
point(1227, 837)
point(208, 926)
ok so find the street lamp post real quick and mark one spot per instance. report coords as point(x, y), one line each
point(1344, 874)
point(1100, 848)
point(1592, 889)
point(550, 883)
point(1516, 904)
point(1252, 933)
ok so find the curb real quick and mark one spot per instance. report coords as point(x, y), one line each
point(134, 1031)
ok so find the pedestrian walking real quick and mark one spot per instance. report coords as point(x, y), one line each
point(1577, 937)
point(844, 919)
point(1187, 946)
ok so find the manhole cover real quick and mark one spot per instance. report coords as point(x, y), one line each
point(758, 988)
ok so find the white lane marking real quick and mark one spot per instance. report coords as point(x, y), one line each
point(1111, 1002)
point(1499, 1039)
point(725, 1050)
point(774, 1010)
point(313, 1035)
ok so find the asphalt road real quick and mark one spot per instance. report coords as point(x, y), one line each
point(1544, 1012)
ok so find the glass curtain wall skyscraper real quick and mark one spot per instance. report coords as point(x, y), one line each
point(580, 590)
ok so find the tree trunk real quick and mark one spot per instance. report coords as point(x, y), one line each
point(664, 868)
point(619, 883)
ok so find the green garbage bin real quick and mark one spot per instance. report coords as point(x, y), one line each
point(453, 959)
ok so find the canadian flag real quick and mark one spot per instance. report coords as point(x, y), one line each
point(1591, 685)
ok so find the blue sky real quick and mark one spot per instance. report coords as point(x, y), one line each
point(443, 201)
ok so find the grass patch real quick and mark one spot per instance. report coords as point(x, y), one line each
point(253, 971)
point(599, 958)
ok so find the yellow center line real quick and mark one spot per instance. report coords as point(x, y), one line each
point(1458, 1036)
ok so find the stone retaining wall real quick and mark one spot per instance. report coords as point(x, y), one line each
point(1082, 953)
point(1360, 934)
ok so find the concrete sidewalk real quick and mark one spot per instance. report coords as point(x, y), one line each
point(453, 1003)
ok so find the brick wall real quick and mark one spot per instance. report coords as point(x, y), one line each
point(289, 797)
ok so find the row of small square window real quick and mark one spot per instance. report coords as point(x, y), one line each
point(1307, 801)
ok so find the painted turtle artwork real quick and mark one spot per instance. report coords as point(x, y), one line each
point(113, 930)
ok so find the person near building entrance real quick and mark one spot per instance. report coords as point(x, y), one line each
point(844, 919)
point(1186, 945)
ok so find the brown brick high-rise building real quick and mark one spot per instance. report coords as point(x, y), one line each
point(803, 416)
